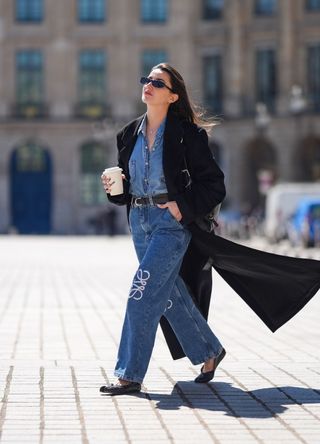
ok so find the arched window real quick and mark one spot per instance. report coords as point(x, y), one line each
point(309, 159)
point(93, 162)
point(30, 158)
point(260, 171)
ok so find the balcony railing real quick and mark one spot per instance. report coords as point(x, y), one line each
point(30, 110)
point(91, 110)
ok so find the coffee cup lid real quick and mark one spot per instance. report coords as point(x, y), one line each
point(113, 169)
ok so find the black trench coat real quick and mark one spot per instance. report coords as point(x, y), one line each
point(275, 287)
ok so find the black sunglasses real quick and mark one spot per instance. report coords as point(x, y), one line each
point(155, 83)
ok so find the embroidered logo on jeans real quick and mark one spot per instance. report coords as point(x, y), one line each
point(139, 284)
point(170, 303)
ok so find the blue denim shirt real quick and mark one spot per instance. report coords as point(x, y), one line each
point(145, 165)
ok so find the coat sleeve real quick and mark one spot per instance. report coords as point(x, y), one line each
point(124, 198)
point(207, 189)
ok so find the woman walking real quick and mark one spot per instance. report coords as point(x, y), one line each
point(171, 182)
point(153, 153)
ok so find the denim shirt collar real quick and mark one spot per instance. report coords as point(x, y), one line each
point(143, 128)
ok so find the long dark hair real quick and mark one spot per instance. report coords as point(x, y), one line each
point(183, 107)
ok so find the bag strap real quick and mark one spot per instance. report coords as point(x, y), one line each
point(214, 213)
point(186, 169)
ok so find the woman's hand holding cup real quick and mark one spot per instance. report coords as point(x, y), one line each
point(106, 182)
point(112, 180)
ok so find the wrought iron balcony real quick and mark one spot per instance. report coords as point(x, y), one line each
point(30, 110)
point(91, 110)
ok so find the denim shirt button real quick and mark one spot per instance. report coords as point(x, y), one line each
point(149, 168)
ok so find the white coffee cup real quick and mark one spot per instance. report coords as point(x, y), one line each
point(115, 174)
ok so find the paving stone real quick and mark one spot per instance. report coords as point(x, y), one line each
point(61, 310)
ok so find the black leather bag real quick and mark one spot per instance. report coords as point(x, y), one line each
point(209, 221)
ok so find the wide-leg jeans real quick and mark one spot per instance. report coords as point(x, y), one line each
point(157, 289)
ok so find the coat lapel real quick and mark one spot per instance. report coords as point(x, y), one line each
point(128, 140)
point(173, 148)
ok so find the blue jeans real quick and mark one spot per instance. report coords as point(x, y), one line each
point(160, 242)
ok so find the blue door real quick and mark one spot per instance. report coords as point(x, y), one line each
point(31, 191)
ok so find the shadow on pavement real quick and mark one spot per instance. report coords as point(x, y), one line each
point(221, 396)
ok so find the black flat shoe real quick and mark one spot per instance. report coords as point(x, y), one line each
point(118, 389)
point(207, 376)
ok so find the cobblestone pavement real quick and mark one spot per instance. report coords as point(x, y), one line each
point(62, 301)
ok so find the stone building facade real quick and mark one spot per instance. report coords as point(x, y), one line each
point(69, 79)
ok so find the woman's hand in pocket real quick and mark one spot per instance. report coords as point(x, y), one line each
point(173, 208)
